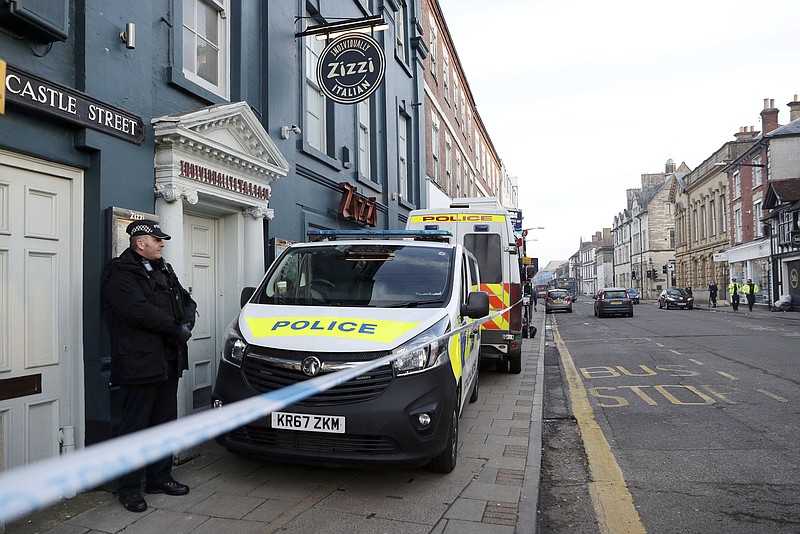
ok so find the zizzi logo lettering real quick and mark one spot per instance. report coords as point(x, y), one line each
point(351, 68)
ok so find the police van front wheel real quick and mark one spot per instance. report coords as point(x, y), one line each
point(445, 462)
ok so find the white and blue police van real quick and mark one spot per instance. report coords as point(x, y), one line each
point(345, 298)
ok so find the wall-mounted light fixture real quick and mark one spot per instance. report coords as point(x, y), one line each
point(286, 129)
point(346, 163)
point(333, 30)
point(129, 36)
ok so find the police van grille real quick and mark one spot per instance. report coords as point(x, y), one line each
point(264, 376)
point(312, 441)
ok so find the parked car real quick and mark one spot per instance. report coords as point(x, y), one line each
point(557, 299)
point(674, 297)
point(541, 291)
point(613, 301)
point(633, 293)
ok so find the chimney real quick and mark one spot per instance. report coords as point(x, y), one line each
point(769, 116)
point(745, 133)
point(794, 109)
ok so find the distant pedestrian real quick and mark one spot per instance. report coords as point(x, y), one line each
point(712, 294)
point(689, 290)
point(535, 299)
point(750, 289)
point(735, 290)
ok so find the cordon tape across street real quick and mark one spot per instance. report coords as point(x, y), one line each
point(30, 488)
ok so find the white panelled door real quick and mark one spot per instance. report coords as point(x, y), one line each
point(200, 245)
point(40, 308)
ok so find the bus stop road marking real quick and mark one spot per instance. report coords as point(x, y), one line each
point(612, 500)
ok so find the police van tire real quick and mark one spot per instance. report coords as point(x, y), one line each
point(445, 462)
point(502, 366)
point(515, 364)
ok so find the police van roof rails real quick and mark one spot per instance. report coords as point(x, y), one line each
point(419, 235)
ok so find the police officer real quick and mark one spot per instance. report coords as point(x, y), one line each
point(150, 317)
point(735, 290)
point(750, 289)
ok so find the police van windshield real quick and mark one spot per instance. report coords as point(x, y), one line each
point(361, 276)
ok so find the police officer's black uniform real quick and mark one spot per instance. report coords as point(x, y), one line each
point(150, 317)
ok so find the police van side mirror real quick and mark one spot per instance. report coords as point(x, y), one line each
point(245, 296)
point(477, 305)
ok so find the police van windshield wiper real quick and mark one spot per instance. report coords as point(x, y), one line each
point(413, 303)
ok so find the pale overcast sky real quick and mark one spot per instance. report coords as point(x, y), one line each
point(581, 97)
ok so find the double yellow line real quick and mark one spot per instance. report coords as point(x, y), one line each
point(613, 503)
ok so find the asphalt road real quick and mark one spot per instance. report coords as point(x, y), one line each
point(689, 419)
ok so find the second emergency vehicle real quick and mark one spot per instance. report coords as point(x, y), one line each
point(484, 227)
point(329, 304)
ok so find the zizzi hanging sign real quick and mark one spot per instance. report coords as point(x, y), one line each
point(351, 68)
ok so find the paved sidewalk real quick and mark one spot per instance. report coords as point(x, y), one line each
point(494, 488)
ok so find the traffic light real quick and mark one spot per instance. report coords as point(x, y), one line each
point(633, 275)
point(664, 269)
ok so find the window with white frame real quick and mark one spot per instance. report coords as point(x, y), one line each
point(402, 154)
point(695, 225)
point(463, 111)
point(435, 150)
point(713, 209)
point(446, 75)
point(737, 224)
point(786, 224)
point(400, 32)
point(448, 164)
point(316, 115)
point(455, 97)
point(704, 223)
point(737, 185)
point(723, 213)
point(458, 175)
point(205, 44)
point(434, 45)
point(757, 225)
point(364, 142)
point(757, 175)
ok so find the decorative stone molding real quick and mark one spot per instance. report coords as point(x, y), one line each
point(259, 212)
point(173, 193)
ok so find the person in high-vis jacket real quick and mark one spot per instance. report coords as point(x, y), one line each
point(750, 289)
point(735, 289)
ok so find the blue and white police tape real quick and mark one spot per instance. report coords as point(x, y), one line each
point(30, 488)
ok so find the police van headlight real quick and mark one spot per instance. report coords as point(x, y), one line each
point(426, 353)
point(233, 346)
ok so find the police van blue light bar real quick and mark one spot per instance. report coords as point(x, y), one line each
point(481, 227)
point(386, 234)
